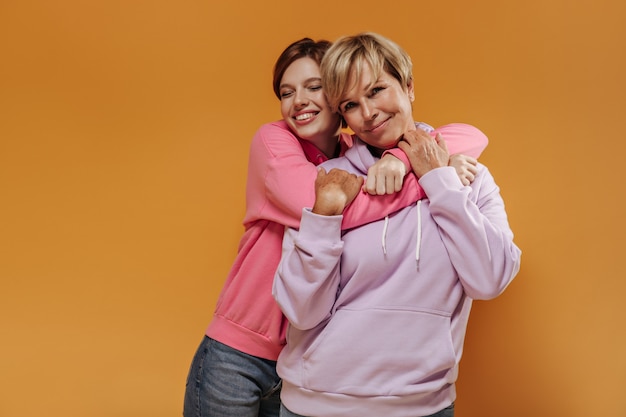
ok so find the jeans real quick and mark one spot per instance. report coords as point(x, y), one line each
point(446, 412)
point(224, 382)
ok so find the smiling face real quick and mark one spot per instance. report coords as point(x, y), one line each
point(303, 104)
point(379, 109)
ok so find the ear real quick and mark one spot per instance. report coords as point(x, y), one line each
point(410, 90)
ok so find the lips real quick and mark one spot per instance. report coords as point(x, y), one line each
point(301, 117)
point(377, 126)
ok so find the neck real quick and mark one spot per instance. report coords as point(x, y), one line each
point(377, 152)
point(329, 147)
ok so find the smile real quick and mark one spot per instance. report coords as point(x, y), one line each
point(305, 116)
point(373, 128)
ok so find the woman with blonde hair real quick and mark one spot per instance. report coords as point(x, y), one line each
point(378, 313)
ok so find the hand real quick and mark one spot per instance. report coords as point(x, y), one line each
point(385, 176)
point(465, 167)
point(334, 191)
point(424, 152)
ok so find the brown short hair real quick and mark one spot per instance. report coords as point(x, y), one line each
point(304, 48)
point(349, 52)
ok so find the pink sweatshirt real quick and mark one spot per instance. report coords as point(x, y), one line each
point(281, 177)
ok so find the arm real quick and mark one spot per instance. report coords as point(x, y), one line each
point(475, 230)
point(472, 220)
point(307, 279)
point(308, 276)
point(460, 138)
point(281, 180)
point(387, 175)
point(463, 138)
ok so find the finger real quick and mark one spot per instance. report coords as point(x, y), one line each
point(398, 183)
point(380, 185)
point(390, 186)
point(442, 143)
point(370, 185)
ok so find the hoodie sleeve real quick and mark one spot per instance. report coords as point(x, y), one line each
point(474, 227)
point(313, 255)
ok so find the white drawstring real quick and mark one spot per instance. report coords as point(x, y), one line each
point(418, 242)
point(384, 237)
point(419, 230)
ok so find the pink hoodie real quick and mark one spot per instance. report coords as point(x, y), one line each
point(281, 177)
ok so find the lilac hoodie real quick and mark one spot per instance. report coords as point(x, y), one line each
point(281, 178)
point(378, 313)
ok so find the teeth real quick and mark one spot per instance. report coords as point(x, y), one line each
point(304, 116)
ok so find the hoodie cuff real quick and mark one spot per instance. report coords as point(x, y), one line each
point(439, 180)
point(317, 227)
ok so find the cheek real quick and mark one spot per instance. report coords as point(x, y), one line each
point(405, 102)
point(320, 101)
point(351, 119)
point(284, 108)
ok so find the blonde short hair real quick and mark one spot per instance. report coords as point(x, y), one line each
point(350, 52)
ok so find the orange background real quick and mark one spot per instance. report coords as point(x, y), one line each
point(124, 129)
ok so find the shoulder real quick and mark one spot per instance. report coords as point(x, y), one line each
point(271, 129)
point(275, 138)
point(484, 184)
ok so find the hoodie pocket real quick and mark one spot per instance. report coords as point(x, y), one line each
point(378, 352)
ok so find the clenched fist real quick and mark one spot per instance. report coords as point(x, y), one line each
point(335, 190)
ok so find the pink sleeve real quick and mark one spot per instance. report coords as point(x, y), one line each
point(460, 138)
point(463, 138)
point(367, 208)
point(281, 181)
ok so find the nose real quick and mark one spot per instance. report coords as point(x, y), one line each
point(367, 110)
point(301, 99)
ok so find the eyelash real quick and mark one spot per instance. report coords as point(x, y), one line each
point(347, 107)
point(289, 93)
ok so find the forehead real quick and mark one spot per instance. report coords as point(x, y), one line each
point(362, 76)
point(301, 70)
